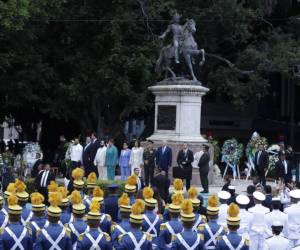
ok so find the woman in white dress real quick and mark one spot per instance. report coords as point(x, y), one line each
point(136, 157)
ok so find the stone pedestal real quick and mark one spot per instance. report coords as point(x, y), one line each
point(178, 117)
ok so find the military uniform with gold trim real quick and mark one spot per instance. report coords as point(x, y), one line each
point(15, 235)
point(169, 229)
point(78, 226)
point(211, 230)
point(233, 240)
point(130, 188)
point(136, 238)
point(188, 239)
point(152, 221)
point(94, 238)
point(38, 208)
point(124, 226)
point(3, 214)
point(54, 235)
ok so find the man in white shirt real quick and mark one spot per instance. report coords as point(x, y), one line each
point(276, 242)
point(76, 154)
point(99, 161)
point(243, 200)
point(293, 213)
point(223, 198)
point(276, 215)
point(257, 224)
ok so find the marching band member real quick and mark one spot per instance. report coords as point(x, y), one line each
point(124, 226)
point(22, 200)
point(199, 219)
point(78, 226)
point(78, 183)
point(172, 227)
point(212, 230)
point(105, 219)
point(38, 220)
point(136, 238)
point(130, 188)
point(54, 236)
point(188, 239)
point(90, 184)
point(152, 221)
point(98, 194)
point(11, 188)
point(94, 238)
point(3, 214)
point(232, 240)
point(66, 217)
point(15, 235)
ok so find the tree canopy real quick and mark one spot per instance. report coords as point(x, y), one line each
point(91, 61)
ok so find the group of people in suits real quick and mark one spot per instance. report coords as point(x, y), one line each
point(283, 167)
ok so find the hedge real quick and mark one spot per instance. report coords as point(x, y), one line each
point(103, 184)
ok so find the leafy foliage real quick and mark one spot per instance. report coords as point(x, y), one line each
point(57, 60)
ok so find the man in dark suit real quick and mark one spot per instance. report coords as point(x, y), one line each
point(162, 183)
point(268, 201)
point(111, 206)
point(203, 165)
point(283, 168)
point(185, 158)
point(261, 162)
point(95, 145)
point(164, 157)
point(87, 156)
point(43, 179)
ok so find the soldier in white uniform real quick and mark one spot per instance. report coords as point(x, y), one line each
point(257, 224)
point(293, 213)
point(276, 215)
point(277, 242)
point(243, 200)
point(223, 198)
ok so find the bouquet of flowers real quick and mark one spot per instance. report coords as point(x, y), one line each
point(273, 151)
point(254, 143)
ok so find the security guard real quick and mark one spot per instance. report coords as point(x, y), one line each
point(105, 219)
point(232, 240)
point(98, 194)
point(54, 236)
point(172, 227)
point(94, 238)
point(276, 215)
point(15, 235)
point(22, 200)
point(199, 219)
point(223, 196)
point(293, 213)
point(124, 226)
point(66, 217)
point(212, 231)
point(78, 226)
point(246, 217)
point(130, 188)
point(152, 221)
point(111, 202)
point(277, 242)
point(38, 220)
point(90, 184)
point(257, 225)
point(3, 214)
point(187, 239)
point(136, 238)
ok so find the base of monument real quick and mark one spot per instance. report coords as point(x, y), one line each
point(176, 138)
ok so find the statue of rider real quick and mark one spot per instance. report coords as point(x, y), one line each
point(177, 30)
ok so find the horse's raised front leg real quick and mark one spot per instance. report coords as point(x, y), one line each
point(172, 72)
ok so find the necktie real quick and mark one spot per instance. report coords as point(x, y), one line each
point(258, 156)
point(44, 179)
